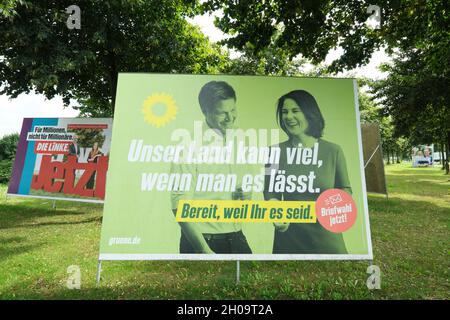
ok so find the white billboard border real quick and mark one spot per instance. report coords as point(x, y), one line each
point(362, 173)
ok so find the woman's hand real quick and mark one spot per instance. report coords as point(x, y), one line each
point(281, 226)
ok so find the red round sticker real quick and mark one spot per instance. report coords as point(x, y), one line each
point(336, 210)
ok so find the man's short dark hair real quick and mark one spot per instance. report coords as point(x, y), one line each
point(310, 109)
point(213, 92)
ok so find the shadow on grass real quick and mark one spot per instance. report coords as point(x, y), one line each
point(414, 171)
point(15, 245)
point(94, 219)
point(68, 197)
point(16, 215)
point(263, 284)
point(396, 204)
point(101, 293)
point(45, 203)
point(424, 185)
point(410, 246)
point(428, 176)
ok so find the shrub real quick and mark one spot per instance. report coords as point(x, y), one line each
point(8, 146)
point(5, 170)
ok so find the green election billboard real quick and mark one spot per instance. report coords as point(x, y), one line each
point(219, 167)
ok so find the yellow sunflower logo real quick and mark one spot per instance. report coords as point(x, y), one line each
point(159, 99)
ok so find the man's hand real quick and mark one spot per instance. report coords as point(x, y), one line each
point(241, 195)
point(281, 226)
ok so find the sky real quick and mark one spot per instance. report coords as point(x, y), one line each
point(31, 105)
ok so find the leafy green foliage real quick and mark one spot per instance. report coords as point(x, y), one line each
point(270, 61)
point(7, 7)
point(5, 170)
point(309, 28)
point(416, 97)
point(372, 112)
point(40, 53)
point(8, 146)
point(313, 28)
point(369, 110)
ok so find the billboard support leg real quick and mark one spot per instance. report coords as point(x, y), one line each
point(99, 271)
point(238, 271)
point(54, 204)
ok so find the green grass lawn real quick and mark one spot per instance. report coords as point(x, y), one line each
point(410, 234)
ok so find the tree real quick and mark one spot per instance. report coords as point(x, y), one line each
point(369, 111)
point(8, 146)
point(417, 99)
point(395, 148)
point(313, 27)
point(40, 53)
point(7, 7)
point(270, 61)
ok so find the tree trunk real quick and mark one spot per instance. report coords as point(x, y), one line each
point(388, 157)
point(442, 155)
point(111, 60)
point(447, 153)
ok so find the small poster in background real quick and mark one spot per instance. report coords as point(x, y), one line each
point(62, 158)
point(422, 155)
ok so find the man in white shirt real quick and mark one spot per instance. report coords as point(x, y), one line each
point(217, 101)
